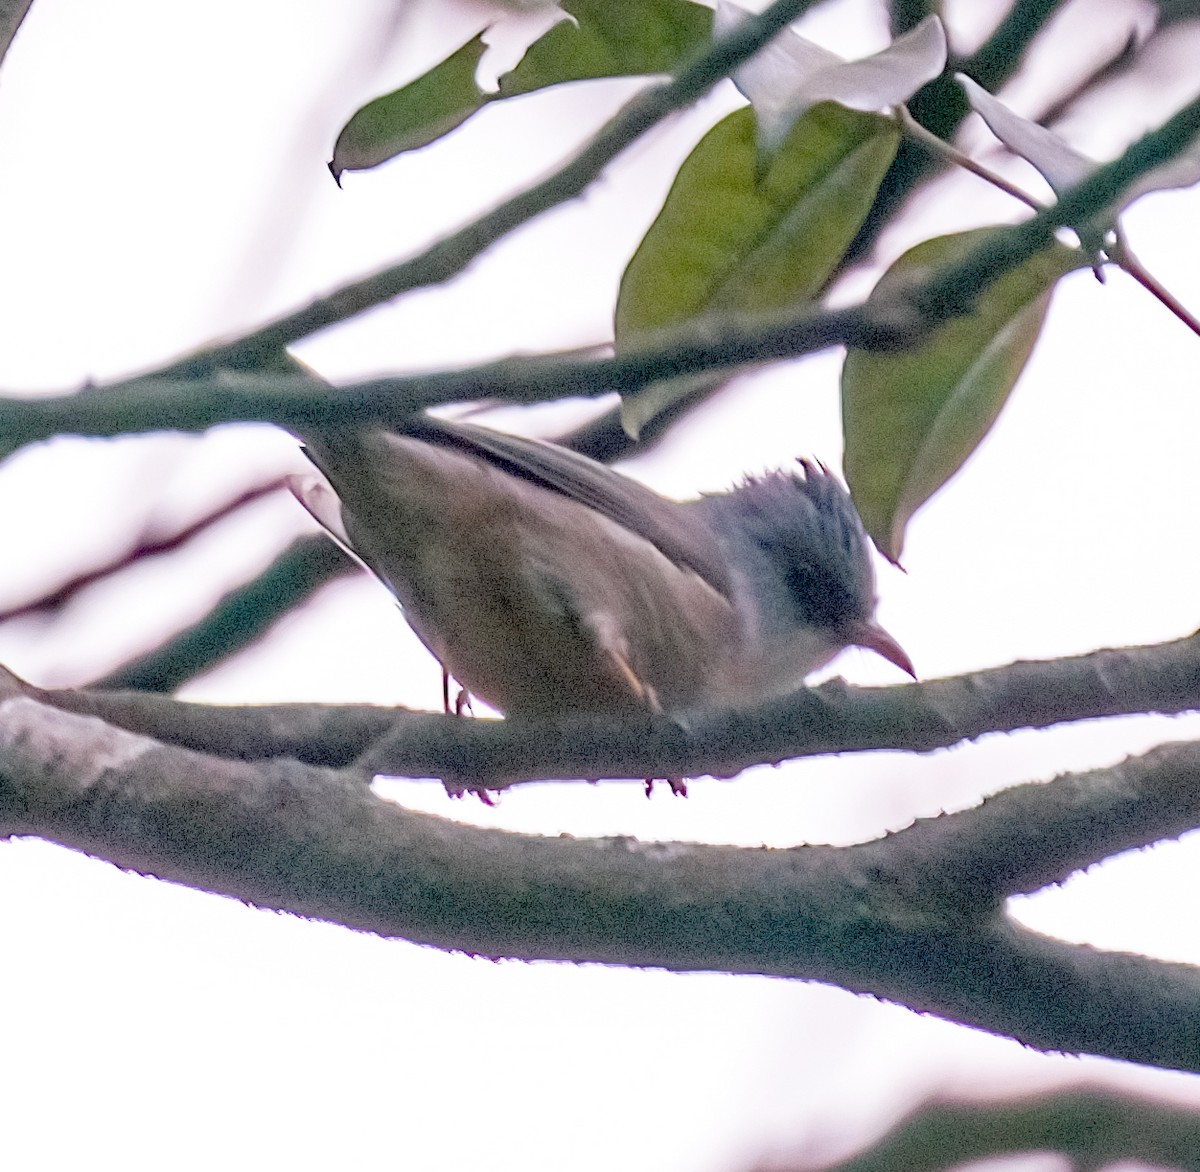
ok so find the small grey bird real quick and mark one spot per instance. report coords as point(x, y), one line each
point(545, 582)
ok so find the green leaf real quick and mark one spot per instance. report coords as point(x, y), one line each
point(611, 38)
point(412, 116)
point(912, 417)
point(740, 233)
point(600, 38)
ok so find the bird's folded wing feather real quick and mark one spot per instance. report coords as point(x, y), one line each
point(678, 533)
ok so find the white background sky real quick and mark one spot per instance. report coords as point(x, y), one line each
point(165, 185)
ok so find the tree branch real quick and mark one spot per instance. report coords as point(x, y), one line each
point(1025, 838)
point(880, 918)
point(1090, 1127)
point(12, 12)
point(333, 735)
point(887, 322)
point(831, 718)
point(175, 404)
point(998, 58)
point(149, 542)
point(237, 620)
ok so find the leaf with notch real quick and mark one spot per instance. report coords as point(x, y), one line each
point(595, 39)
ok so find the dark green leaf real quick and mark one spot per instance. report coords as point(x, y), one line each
point(601, 39)
point(412, 116)
point(611, 38)
point(913, 417)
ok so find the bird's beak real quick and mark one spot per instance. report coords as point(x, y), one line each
point(874, 638)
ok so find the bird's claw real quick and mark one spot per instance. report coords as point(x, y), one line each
point(678, 786)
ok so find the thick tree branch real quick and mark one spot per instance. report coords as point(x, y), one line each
point(1003, 250)
point(1025, 838)
point(828, 719)
point(831, 718)
point(882, 918)
point(177, 404)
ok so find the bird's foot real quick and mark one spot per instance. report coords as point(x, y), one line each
point(460, 789)
point(678, 785)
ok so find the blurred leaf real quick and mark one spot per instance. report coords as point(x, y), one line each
point(792, 73)
point(599, 39)
point(734, 235)
point(665, 398)
point(911, 418)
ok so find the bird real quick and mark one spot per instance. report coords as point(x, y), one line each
point(547, 583)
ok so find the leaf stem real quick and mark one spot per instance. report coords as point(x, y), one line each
point(918, 134)
point(1119, 253)
point(1123, 256)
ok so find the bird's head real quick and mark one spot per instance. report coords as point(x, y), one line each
point(806, 555)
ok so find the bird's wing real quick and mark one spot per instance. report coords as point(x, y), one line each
point(680, 534)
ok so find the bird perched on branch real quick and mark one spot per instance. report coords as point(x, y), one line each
point(546, 583)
